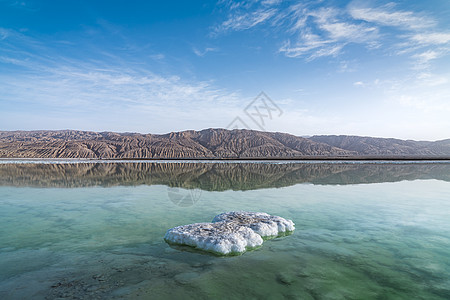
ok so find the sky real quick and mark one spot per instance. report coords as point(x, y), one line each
point(371, 68)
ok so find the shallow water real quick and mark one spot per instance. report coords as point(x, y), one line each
point(86, 231)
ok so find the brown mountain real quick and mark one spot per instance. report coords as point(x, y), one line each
point(383, 146)
point(208, 143)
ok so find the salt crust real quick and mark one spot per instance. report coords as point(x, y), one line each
point(230, 233)
point(220, 237)
point(263, 224)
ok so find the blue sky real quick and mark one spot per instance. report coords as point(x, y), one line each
point(378, 68)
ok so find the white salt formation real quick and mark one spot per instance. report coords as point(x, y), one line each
point(263, 224)
point(221, 237)
point(230, 233)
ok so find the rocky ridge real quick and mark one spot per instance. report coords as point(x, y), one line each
point(204, 144)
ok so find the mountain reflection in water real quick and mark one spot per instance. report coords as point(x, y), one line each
point(215, 176)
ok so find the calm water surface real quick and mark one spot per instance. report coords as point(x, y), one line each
point(95, 230)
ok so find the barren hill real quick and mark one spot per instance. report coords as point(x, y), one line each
point(208, 143)
point(382, 146)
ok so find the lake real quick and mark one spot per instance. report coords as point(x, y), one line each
point(94, 230)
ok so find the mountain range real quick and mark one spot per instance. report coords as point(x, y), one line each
point(209, 144)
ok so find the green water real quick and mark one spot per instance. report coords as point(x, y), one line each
point(87, 231)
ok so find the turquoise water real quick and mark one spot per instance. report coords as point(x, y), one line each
point(86, 231)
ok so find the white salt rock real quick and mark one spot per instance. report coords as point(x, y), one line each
point(220, 237)
point(263, 224)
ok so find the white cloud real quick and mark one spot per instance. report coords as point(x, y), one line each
point(333, 50)
point(387, 16)
point(333, 33)
point(271, 2)
point(102, 96)
point(423, 59)
point(435, 38)
point(311, 32)
point(159, 56)
point(423, 53)
point(204, 52)
point(349, 32)
point(306, 43)
point(114, 93)
point(420, 31)
point(4, 33)
point(426, 79)
point(346, 66)
point(93, 86)
point(321, 32)
point(245, 21)
point(14, 61)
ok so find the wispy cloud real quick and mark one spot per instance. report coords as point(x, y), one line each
point(23, 5)
point(311, 32)
point(349, 32)
point(311, 44)
point(314, 32)
point(423, 59)
point(115, 98)
point(387, 15)
point(245, 21)
point(426, 79)
point(3, 33)
point(158, 56)
point(425, 48)
point(204, 51)
point(433, 38)
point(93, 86)
point(334, 33)
point(103, 88)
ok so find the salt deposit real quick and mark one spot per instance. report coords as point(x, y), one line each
point(221, 237)
point(263, 224)
point(230, 233)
